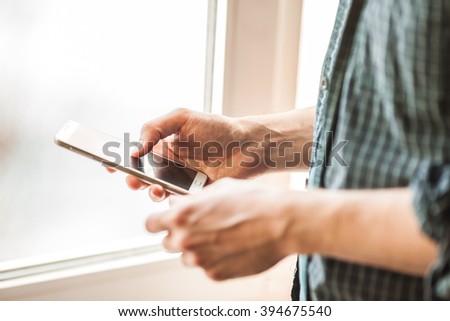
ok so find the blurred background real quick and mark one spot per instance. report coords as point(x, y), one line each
point(114, 65)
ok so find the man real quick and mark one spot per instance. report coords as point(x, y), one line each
point(377, 211)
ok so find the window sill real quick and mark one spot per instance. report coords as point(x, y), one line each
point(20, 274)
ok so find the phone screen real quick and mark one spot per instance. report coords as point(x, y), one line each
point(159, 167)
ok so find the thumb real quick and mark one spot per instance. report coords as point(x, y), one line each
point(155, 130)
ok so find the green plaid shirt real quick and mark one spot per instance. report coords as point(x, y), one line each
point(385, 90)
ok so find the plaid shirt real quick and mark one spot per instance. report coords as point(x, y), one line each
point(385, 90)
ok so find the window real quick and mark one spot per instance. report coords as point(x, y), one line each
point(108, 63)
point(113, 65)
point(317, 23)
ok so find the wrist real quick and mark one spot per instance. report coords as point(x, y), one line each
point(270, 143)
point(312, 217)
point(284, 140)
point(251, 134)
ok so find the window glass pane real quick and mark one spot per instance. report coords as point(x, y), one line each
point(317, 23)
point(111, 64)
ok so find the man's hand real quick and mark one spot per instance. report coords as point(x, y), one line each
point(221, 146)
point(206, 142)
point(236, 228)
point(233, 228)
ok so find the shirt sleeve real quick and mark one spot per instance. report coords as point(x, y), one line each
point(431, 190)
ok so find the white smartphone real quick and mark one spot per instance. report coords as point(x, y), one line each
point(110, 151)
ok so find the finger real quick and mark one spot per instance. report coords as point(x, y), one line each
point(156, 223)
point(244, 263)
point(205, 242)
point(217, 263)
point(171, 241)
point(168, 220)
point(170, 148)
point(200, 258)
point(155, 130)
point(190, 259)
point(110, 170)
point(157, 193)
point(135, 183)
point(164, 148)
point(226, 241)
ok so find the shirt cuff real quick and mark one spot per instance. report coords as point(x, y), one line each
point(431, 201)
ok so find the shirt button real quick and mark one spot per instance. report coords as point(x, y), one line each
point(323, 83)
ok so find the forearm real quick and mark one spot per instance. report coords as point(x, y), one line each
point(286, 138)
point(376, 228)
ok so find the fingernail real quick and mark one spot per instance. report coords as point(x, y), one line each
point(158, 198)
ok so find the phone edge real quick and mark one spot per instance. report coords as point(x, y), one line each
point(171, 188)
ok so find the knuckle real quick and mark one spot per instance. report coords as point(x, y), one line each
point(170, 220)
point(185, 243)
point(182, 111)
point(191, 259)
point(182, 215)
point(197, 259)
point(180, 240)
point(147, 126)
